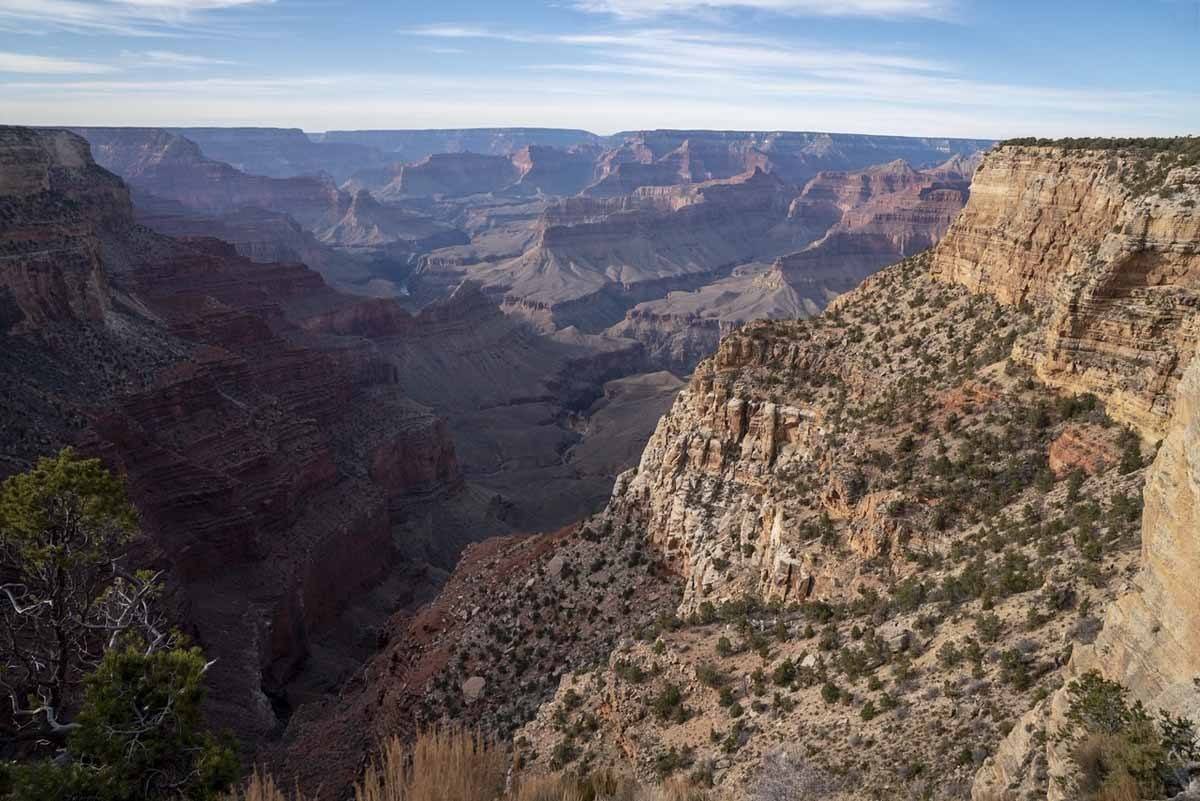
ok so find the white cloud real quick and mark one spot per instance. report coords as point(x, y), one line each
point(474, 32)
point(45, 65)
point(604, 101)
point(169, 58)
point(715, 51)
point(885, 9)
point(125, 17)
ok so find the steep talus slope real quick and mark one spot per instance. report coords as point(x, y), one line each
point(517, 614)
point(267, 465)
point(1113, 267)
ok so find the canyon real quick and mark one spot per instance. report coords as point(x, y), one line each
point(564, 228)
point(866, 551)
point(687, 454)
point(275, 433)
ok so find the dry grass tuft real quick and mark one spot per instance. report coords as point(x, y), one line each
point(452, 764)
point(444, 764)
point(604, 785)
point(261, 787)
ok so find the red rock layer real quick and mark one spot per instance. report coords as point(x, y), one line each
point(265, 461)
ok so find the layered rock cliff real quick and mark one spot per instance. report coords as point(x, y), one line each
point(367, 223)
point(1110, 261)
point(847, 224)
point(452, 174)
point(268, 466)
point(596, 258)
point(663, 157)
point(1076, 264)
point(170, 166)
point(1125, 266)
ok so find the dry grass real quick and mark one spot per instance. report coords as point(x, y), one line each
point(444, 764)
point(451, 764)
point(1102, 776)
point(261, 787)
point(601, 786)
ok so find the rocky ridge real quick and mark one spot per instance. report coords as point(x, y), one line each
point(1082, 250)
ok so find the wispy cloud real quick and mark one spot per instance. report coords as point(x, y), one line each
point(474, 32)
point(124, 17)
point(603, 100)
point(883, 9)
point(24, 63)
point(169, 58)
point(715, 51)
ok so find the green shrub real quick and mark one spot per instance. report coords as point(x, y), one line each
point(140, 736)
point(1116, 748)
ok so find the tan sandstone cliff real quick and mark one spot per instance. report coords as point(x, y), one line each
point(1112, 268)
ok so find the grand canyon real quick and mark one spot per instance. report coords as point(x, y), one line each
point(534, 464)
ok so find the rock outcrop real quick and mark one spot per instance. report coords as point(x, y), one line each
point(452, 174)
point(1114, 268)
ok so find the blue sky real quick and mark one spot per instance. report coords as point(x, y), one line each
point(920, 67)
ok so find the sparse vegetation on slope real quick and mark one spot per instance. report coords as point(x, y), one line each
point(946, 561)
